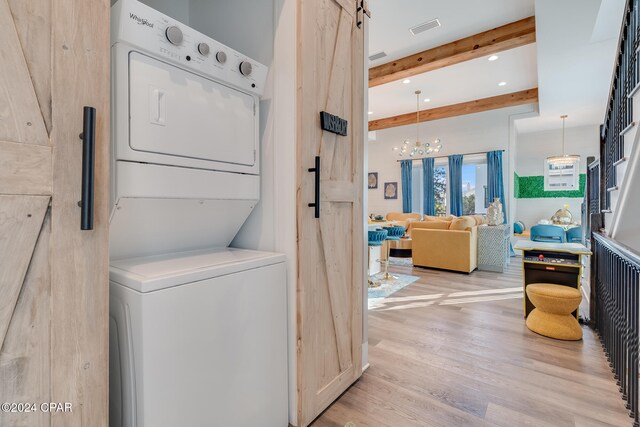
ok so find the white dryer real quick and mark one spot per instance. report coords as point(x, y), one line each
point(198, 331)
point(185, 123)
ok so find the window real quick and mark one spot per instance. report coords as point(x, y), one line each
point(440, 179)
point(474, 186)
point(440, 182)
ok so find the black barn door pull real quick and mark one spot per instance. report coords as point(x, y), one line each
point(88, 137)
point(316, 203)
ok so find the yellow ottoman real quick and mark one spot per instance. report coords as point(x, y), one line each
point(552, 315)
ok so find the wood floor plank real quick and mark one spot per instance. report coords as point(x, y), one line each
point(453, 349)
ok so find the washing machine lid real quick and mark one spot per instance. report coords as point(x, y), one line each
point(148, 274)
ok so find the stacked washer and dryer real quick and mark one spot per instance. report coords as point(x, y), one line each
point(198, 330)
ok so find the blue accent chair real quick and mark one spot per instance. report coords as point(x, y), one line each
point(395, 232)
point(376, 237)
point(548, 233)
point(574, 235)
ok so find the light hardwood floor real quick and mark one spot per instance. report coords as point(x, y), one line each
point(453, 350)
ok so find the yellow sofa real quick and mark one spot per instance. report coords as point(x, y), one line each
point(404, 219)
point(448, 245)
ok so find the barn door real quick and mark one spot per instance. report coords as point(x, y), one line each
point(330, 247)
point(54, 59)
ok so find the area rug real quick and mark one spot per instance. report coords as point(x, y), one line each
point(401, 262)
point(388, 287)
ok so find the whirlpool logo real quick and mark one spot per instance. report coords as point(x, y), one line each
point(140, 21)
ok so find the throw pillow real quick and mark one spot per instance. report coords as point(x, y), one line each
point(462, 223)
point(432, 225)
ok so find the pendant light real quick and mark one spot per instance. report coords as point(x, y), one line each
point(564, 159)
point(418, 148)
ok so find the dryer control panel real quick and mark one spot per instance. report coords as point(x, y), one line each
point(148, 30)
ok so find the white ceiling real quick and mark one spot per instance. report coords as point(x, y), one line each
point(391, 20)
point(571, 62)
point(577, 41)
point(466, 81)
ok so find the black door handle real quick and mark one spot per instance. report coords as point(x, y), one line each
point(316, 203)
point(88, 137)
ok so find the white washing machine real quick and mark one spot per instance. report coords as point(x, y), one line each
point(198, 331)
point(199, 339)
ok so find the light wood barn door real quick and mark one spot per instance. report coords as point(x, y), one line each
point(330, 248)
point(54, 59)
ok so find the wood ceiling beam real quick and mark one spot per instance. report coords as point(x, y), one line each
point(528, 96)
point(499, 39)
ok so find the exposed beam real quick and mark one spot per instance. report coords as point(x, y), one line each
point(507, 37)
point(485, 104)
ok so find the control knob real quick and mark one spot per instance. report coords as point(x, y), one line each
point(245, 68)
point(221, 57)
point(203, 48)
point(174, 35)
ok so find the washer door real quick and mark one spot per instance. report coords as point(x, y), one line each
point(178, 113)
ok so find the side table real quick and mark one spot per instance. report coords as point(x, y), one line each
point(400, 248)
point(493, 247)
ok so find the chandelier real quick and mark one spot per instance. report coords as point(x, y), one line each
point(564, 159)
point(418, 148)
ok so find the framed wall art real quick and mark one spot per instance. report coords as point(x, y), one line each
point(373, 180)
point(390, 190)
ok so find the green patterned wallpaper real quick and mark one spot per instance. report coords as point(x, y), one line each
point(532, 187)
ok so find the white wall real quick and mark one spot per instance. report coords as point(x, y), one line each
point(244, 25)
point(533, 148)
point(177, 9)
point(486, 131)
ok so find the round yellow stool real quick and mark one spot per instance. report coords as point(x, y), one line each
point(552, 315)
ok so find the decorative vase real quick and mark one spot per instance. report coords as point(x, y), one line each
point(494, 213)
point(562, 216)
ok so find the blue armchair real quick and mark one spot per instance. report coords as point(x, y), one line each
point(548, 233)
point(574, 235)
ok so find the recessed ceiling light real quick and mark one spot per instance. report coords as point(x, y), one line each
point(370, 112)
point(427, 100)
point(502, 83)
point(493, 57)
point(406, 81)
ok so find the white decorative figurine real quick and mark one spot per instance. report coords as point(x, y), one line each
point(494, 213)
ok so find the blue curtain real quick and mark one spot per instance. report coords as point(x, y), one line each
point(406, 167)
point(428, 187)
point(495, 183)
point(455, 184)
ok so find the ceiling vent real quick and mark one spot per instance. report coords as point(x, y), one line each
point(434, 23)
point(377, 56)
